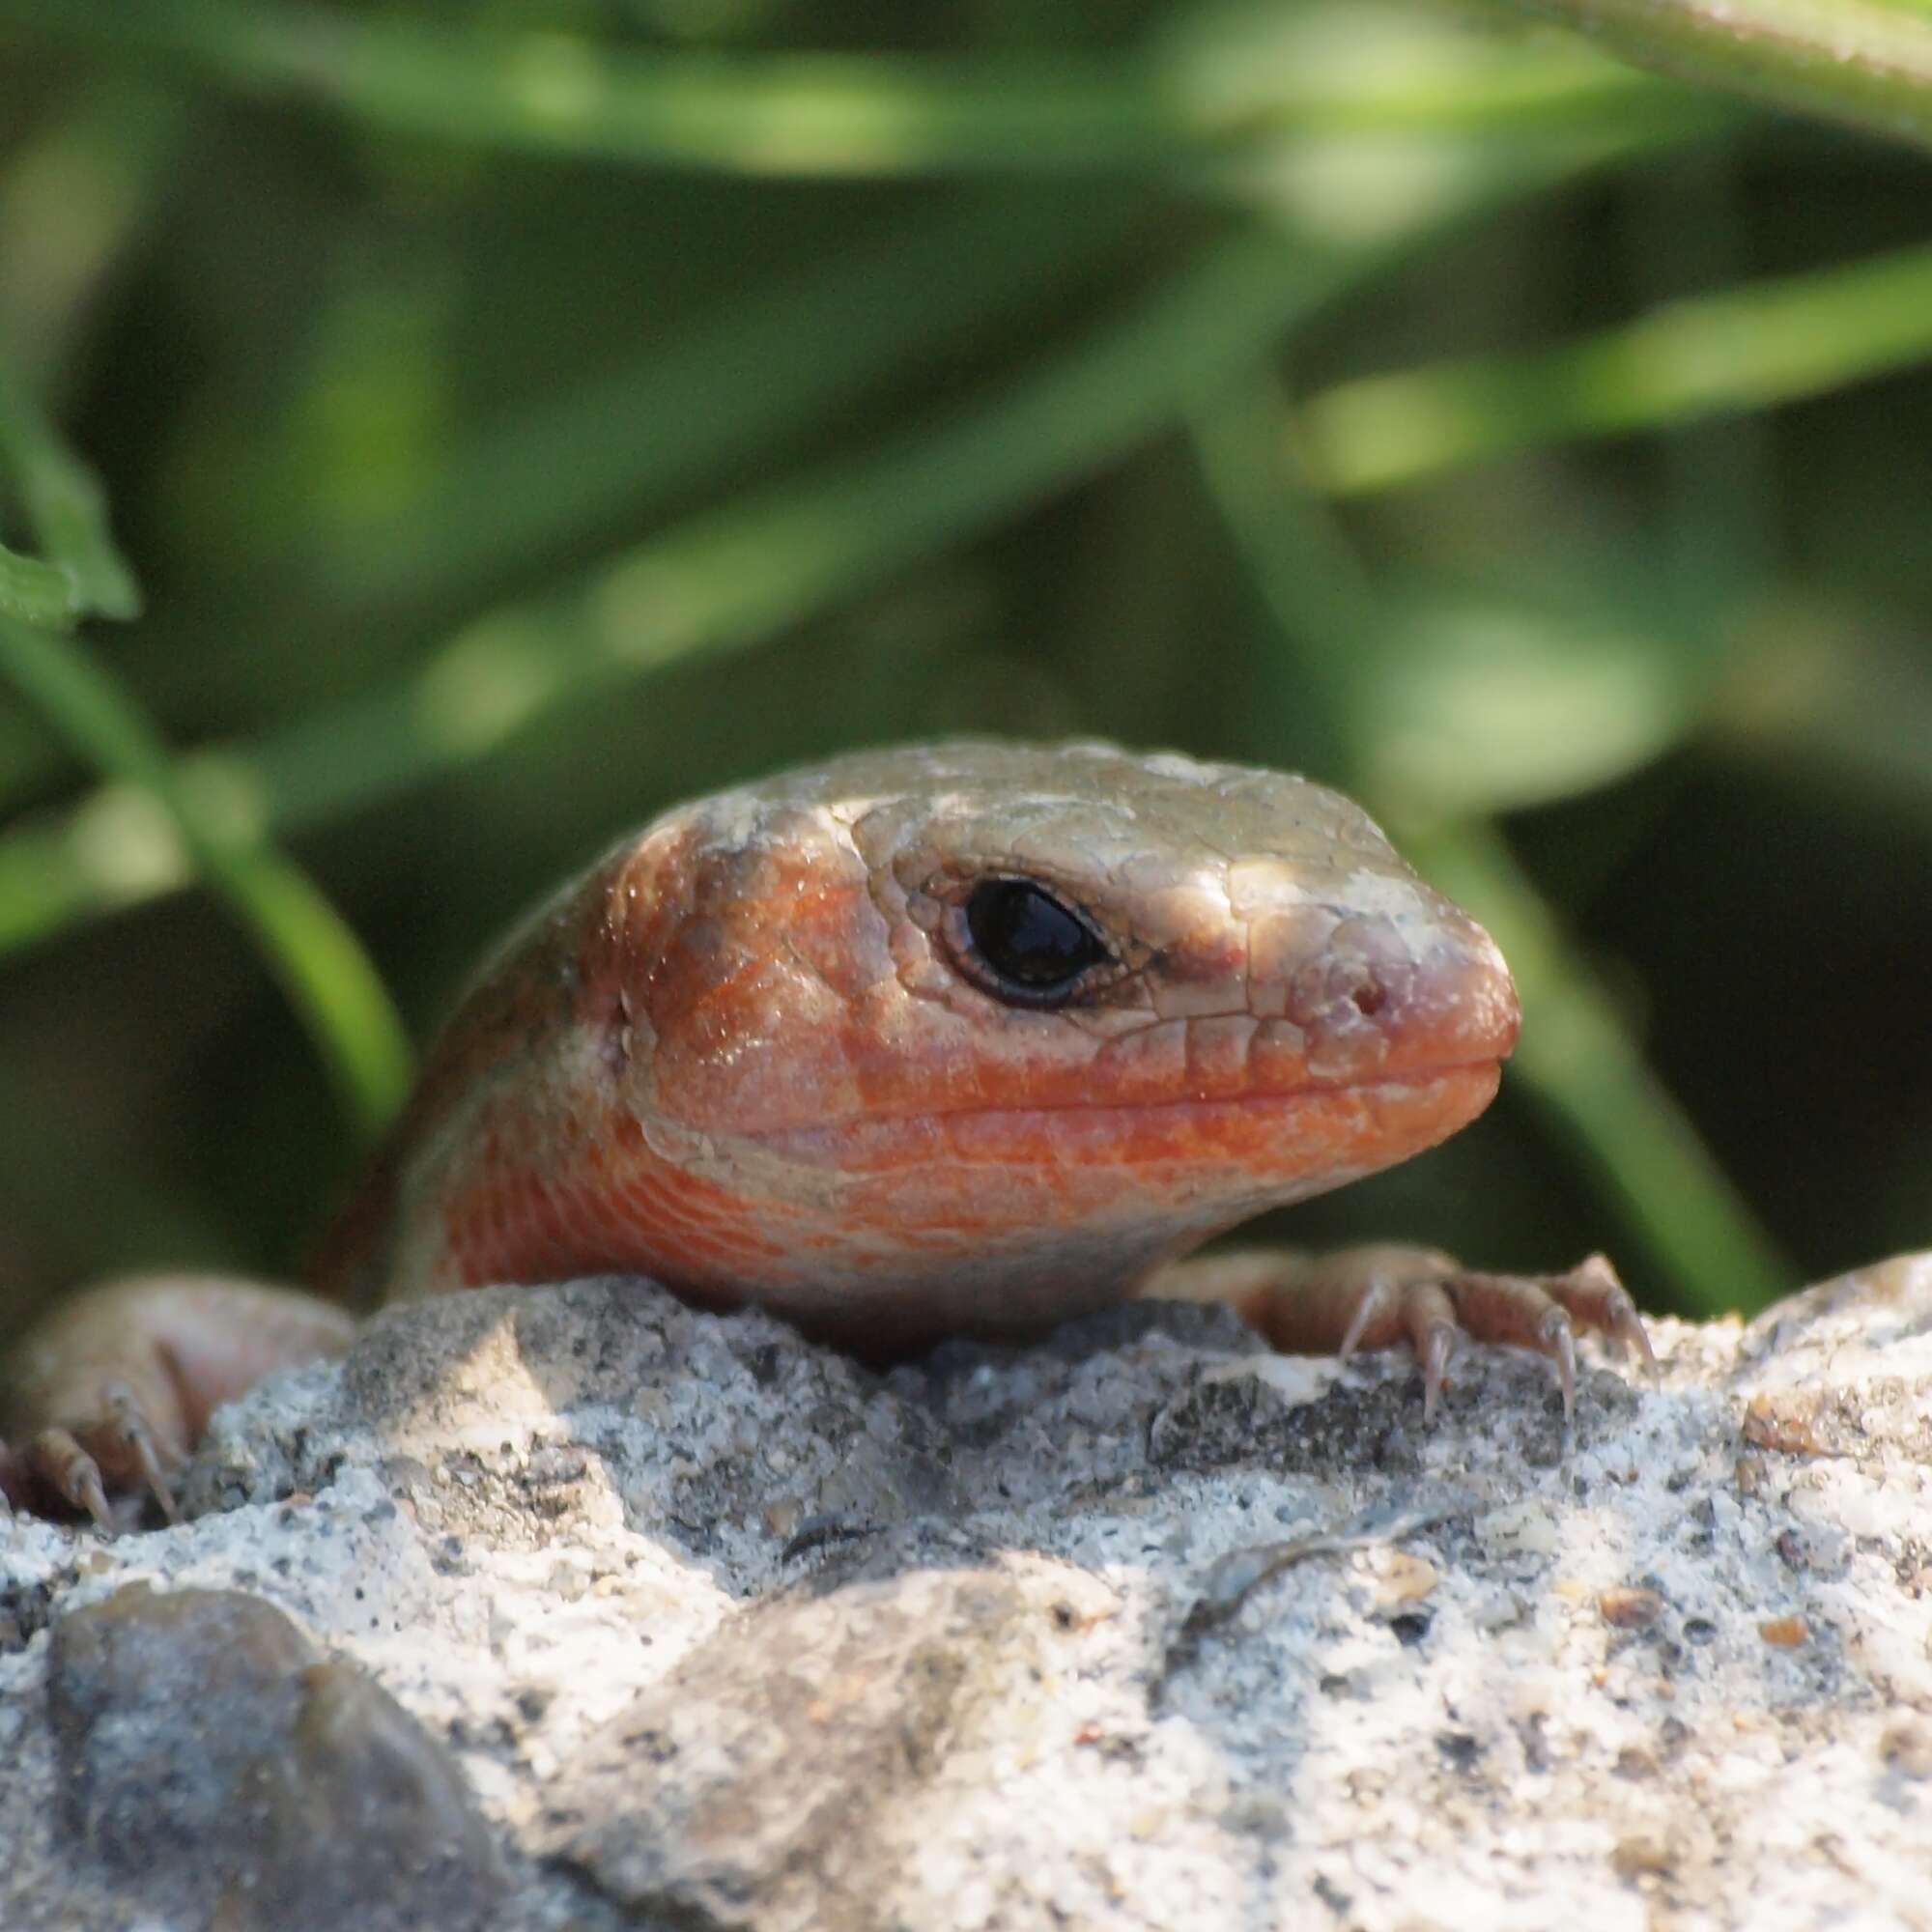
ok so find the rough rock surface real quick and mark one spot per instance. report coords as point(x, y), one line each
point(1142, 1627)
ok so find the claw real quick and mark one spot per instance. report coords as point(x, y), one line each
point(1616, 1313)
point(73, 1474)
point(87, 1492)
point(1625, 1329)
point(1555, 1340)
point(1595, 1296)
point(1383, 1295)
point(1373, 1306)
point(110, 1392)
point(1436, 1358)
point(125, 1411)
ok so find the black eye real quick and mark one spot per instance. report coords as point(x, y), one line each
point(1027, 945)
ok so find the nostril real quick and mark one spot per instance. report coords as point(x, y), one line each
point(1370, 998)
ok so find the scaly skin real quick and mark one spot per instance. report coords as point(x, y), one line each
point(757, 1053)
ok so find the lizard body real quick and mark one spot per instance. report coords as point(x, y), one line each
point(964, 1037)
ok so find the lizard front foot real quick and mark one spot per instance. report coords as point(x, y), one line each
point(103, 1399)
point(1381, 1295)
point(119, 1449)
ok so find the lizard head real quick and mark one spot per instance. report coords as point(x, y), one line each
point(969, 1036)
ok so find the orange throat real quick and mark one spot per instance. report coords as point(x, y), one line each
point(883, 1233)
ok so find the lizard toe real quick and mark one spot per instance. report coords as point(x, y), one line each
point(57, 1457)
point(155, 1458)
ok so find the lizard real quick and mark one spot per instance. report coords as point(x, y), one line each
point(962, 1039)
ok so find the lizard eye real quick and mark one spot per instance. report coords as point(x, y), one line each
point(1024, 944)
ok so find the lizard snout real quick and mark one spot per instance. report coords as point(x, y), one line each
point(1388, 995)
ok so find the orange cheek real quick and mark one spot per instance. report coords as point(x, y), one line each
point(614, 1207)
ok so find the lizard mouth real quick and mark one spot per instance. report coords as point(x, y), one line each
point(1294, 1142)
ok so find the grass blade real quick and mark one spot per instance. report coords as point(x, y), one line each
point(35, 592)
point(66, 508)
point(1866, 63)
point(1744, 348)
point(734, 576)
point(812, 114)
point(328, 978)
point(733, 383)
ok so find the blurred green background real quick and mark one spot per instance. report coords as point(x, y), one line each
point(518, 418)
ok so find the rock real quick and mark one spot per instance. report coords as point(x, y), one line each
point(794, 1794)
point(1140, 1627)
point(214, 1765)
